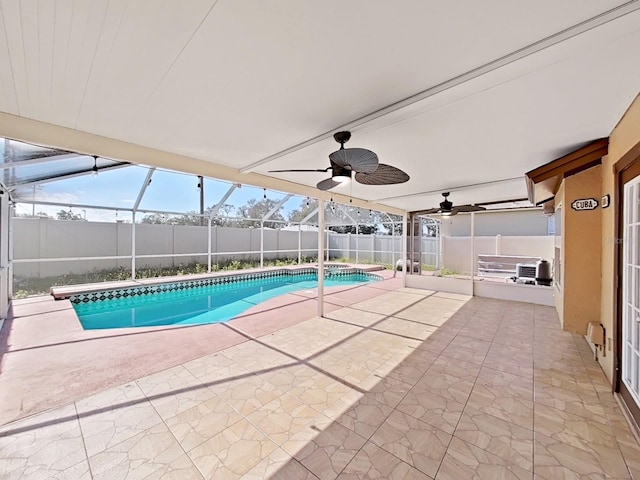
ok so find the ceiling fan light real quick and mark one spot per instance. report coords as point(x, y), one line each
point(340, 175)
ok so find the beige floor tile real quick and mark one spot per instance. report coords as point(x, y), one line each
point(115, 415)
point(200, 423)
point(405, 371)
point(506, 365)
point(320, 392)
point(279, 466)
point(387, 390)
point(173, 391)
point(567, 457)
point(459, 369)
point(408, 328)
point(583, 404)
point(325, 390)
point(255, 356)
point(247, 394)
point(233, 452)
point(216, 368)
point(329, 451)
point(440, 412)
point(445, 386)
point(502, 403)
point(149, 454)
point(466, 461)
point(413, 441)
point(282, 418)
point(48, 445)
point(374, 463)
point(506, 382)
point(359, 412)
point(454, 355)
point(497, 436)
point(291, 377)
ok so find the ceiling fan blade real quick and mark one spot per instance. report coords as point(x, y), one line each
point(301, 170)
point(356, 159)
point(383, 175)
point(327, 184)
point(469, 208)
point(429, 211)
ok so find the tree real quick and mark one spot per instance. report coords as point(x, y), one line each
point(69, 215)
point(154, 218)
point(306, 207)
point(35, 215)
point(255, 210)
point(221, 218)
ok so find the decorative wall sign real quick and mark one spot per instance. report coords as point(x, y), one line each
point(605, 201)
point(584, 204)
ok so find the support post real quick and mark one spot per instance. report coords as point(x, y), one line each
point(404, 249)
point(473, 241)
point(299, 243)
point(393, 243)
point(261, 243)
point(209, 245)
point(133, 245)
point(357, 244)
point(321, 237)
point(327, 246)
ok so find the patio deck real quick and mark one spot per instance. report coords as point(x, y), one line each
point(394, 384)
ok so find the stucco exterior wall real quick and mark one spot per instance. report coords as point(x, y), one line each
point(582, 248)
point(623, 137)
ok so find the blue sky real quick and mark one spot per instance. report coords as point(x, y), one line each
point(119, 188)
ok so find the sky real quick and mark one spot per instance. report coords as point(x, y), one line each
point(119, 188)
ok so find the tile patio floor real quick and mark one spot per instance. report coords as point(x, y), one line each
point(405, 385)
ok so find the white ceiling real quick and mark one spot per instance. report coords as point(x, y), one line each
point(234, 82)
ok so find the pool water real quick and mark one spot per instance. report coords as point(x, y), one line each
point(199, 305)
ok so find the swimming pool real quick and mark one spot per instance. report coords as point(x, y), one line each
point(212, 300)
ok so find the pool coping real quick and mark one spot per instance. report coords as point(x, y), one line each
point(66, 292)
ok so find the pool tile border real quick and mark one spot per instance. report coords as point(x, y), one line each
point(110, 294)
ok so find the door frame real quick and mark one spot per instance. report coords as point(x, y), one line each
point(626, 169)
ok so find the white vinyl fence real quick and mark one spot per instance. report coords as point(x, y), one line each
point(457, 250)
point(46, 247)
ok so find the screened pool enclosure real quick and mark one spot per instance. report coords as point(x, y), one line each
point(70, 218)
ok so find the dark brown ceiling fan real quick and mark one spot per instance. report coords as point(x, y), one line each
point(447, 208)
point(364, 163)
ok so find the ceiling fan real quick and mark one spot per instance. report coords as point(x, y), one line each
point(447, 209)
point(362, 162)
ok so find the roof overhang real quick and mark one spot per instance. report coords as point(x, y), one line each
point(544, 181)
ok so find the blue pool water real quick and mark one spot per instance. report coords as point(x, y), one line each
point(200, 304)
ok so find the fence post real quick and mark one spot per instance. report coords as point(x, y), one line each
point(498, 244)
point(261, 244)
point(373, 248)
